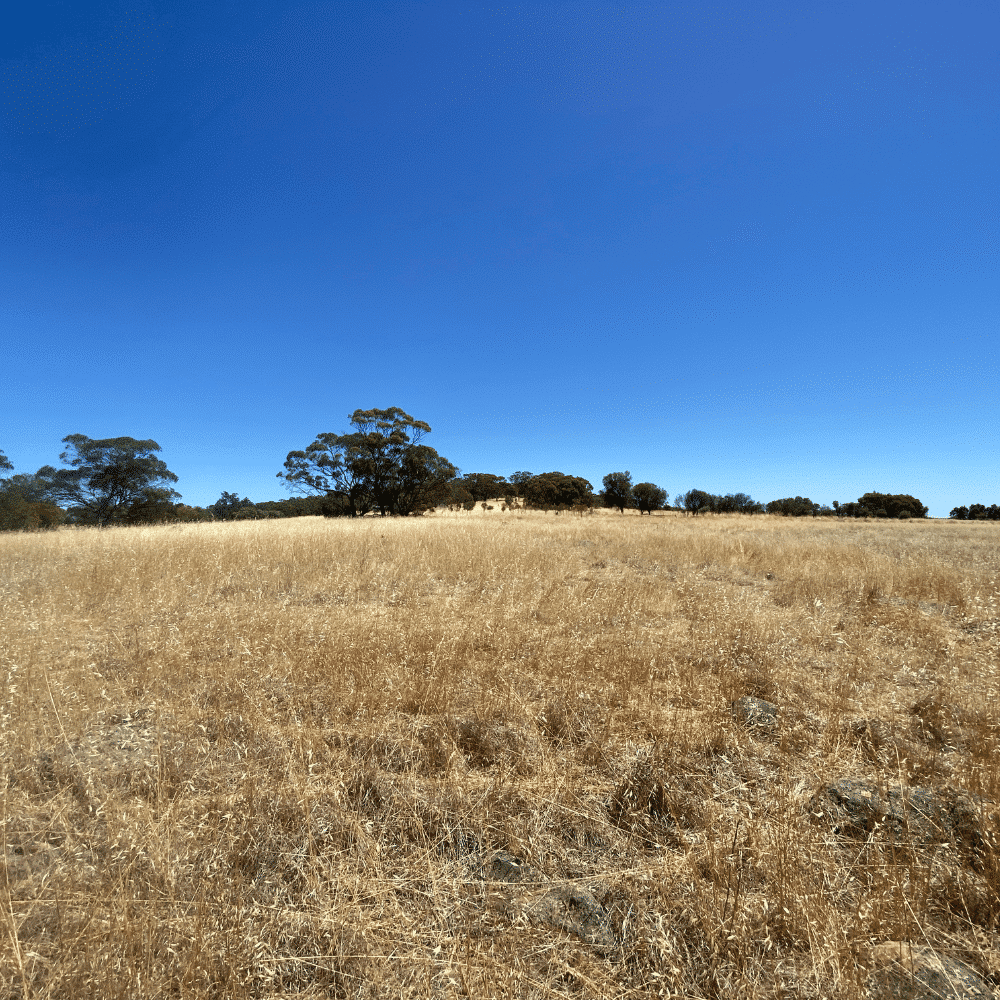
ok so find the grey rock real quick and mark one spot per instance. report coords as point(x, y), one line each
point(910, 972)
point(754, 712)
point(503, 867)
point(564, 906)
point(921, 817)
point(574, 909)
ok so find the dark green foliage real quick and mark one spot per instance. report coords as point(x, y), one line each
point(735, 503)
point(794, 507)
point(517, 481)
point(311, 506)
point(106, 479)
point(45, 516)
point(293, 507)
point(459, 494)
point(227, 506)
point(155, 510)
point(249, 513)
point(421, 483)
point(29, 488)
point(14, 512)
point(22, 503)
point(976, 512)
point(552, 490)
point(5, 462)
point(648, 497)
point(696, 502)
point(335, 506)
point(892, 504)
point(870, 505)
point(617, 490)
point(186, 514)
point(20, 514)
point(380, 466)
point(852, 510)
point(484, 486)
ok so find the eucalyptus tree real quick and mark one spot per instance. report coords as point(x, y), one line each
point(380, 465)
point(617, 490)
point(107, 480)
point(648, 497)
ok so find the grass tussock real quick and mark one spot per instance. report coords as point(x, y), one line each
point(493, 755)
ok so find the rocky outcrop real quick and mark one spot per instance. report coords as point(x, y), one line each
point(920, 817)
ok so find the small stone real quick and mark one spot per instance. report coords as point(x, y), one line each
point(754, 712)
point(503, 867)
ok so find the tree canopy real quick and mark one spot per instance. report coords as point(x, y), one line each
point(697, 502)
point(484, 486)
point(381, 465)
point(109, 481)
point(793, 507)
point(648, 497)
point(893, 505)
point(976, 512)
point(617, 490)
point(517, 480)
point(228, 506)
point(556, 489)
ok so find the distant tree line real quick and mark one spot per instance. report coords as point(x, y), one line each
point(976, 512)
point(380, 466)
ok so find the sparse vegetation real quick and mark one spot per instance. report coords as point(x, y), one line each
point(472, 755)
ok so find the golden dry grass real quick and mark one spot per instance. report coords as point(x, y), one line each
point(263, 759)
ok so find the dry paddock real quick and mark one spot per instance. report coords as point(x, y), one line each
point(292, 758)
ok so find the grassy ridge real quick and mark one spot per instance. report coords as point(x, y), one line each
point(256, 758)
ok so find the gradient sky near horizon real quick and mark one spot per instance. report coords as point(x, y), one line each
point(731, 246)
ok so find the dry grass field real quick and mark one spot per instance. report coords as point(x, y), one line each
point(494, 755)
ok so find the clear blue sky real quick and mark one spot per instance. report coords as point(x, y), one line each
point(733, 246)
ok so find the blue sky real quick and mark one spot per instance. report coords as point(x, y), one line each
point(732, 246)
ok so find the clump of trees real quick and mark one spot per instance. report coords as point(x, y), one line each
point(104, 482)
point(976, 512)
point(23, 505)
point(696, 502)
point(885, 505)
point(556, 490)
point(619, 493)
point(109, 481)
point(794, 507)
point(482, 486)
point(381, 465)
point(901, 506)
